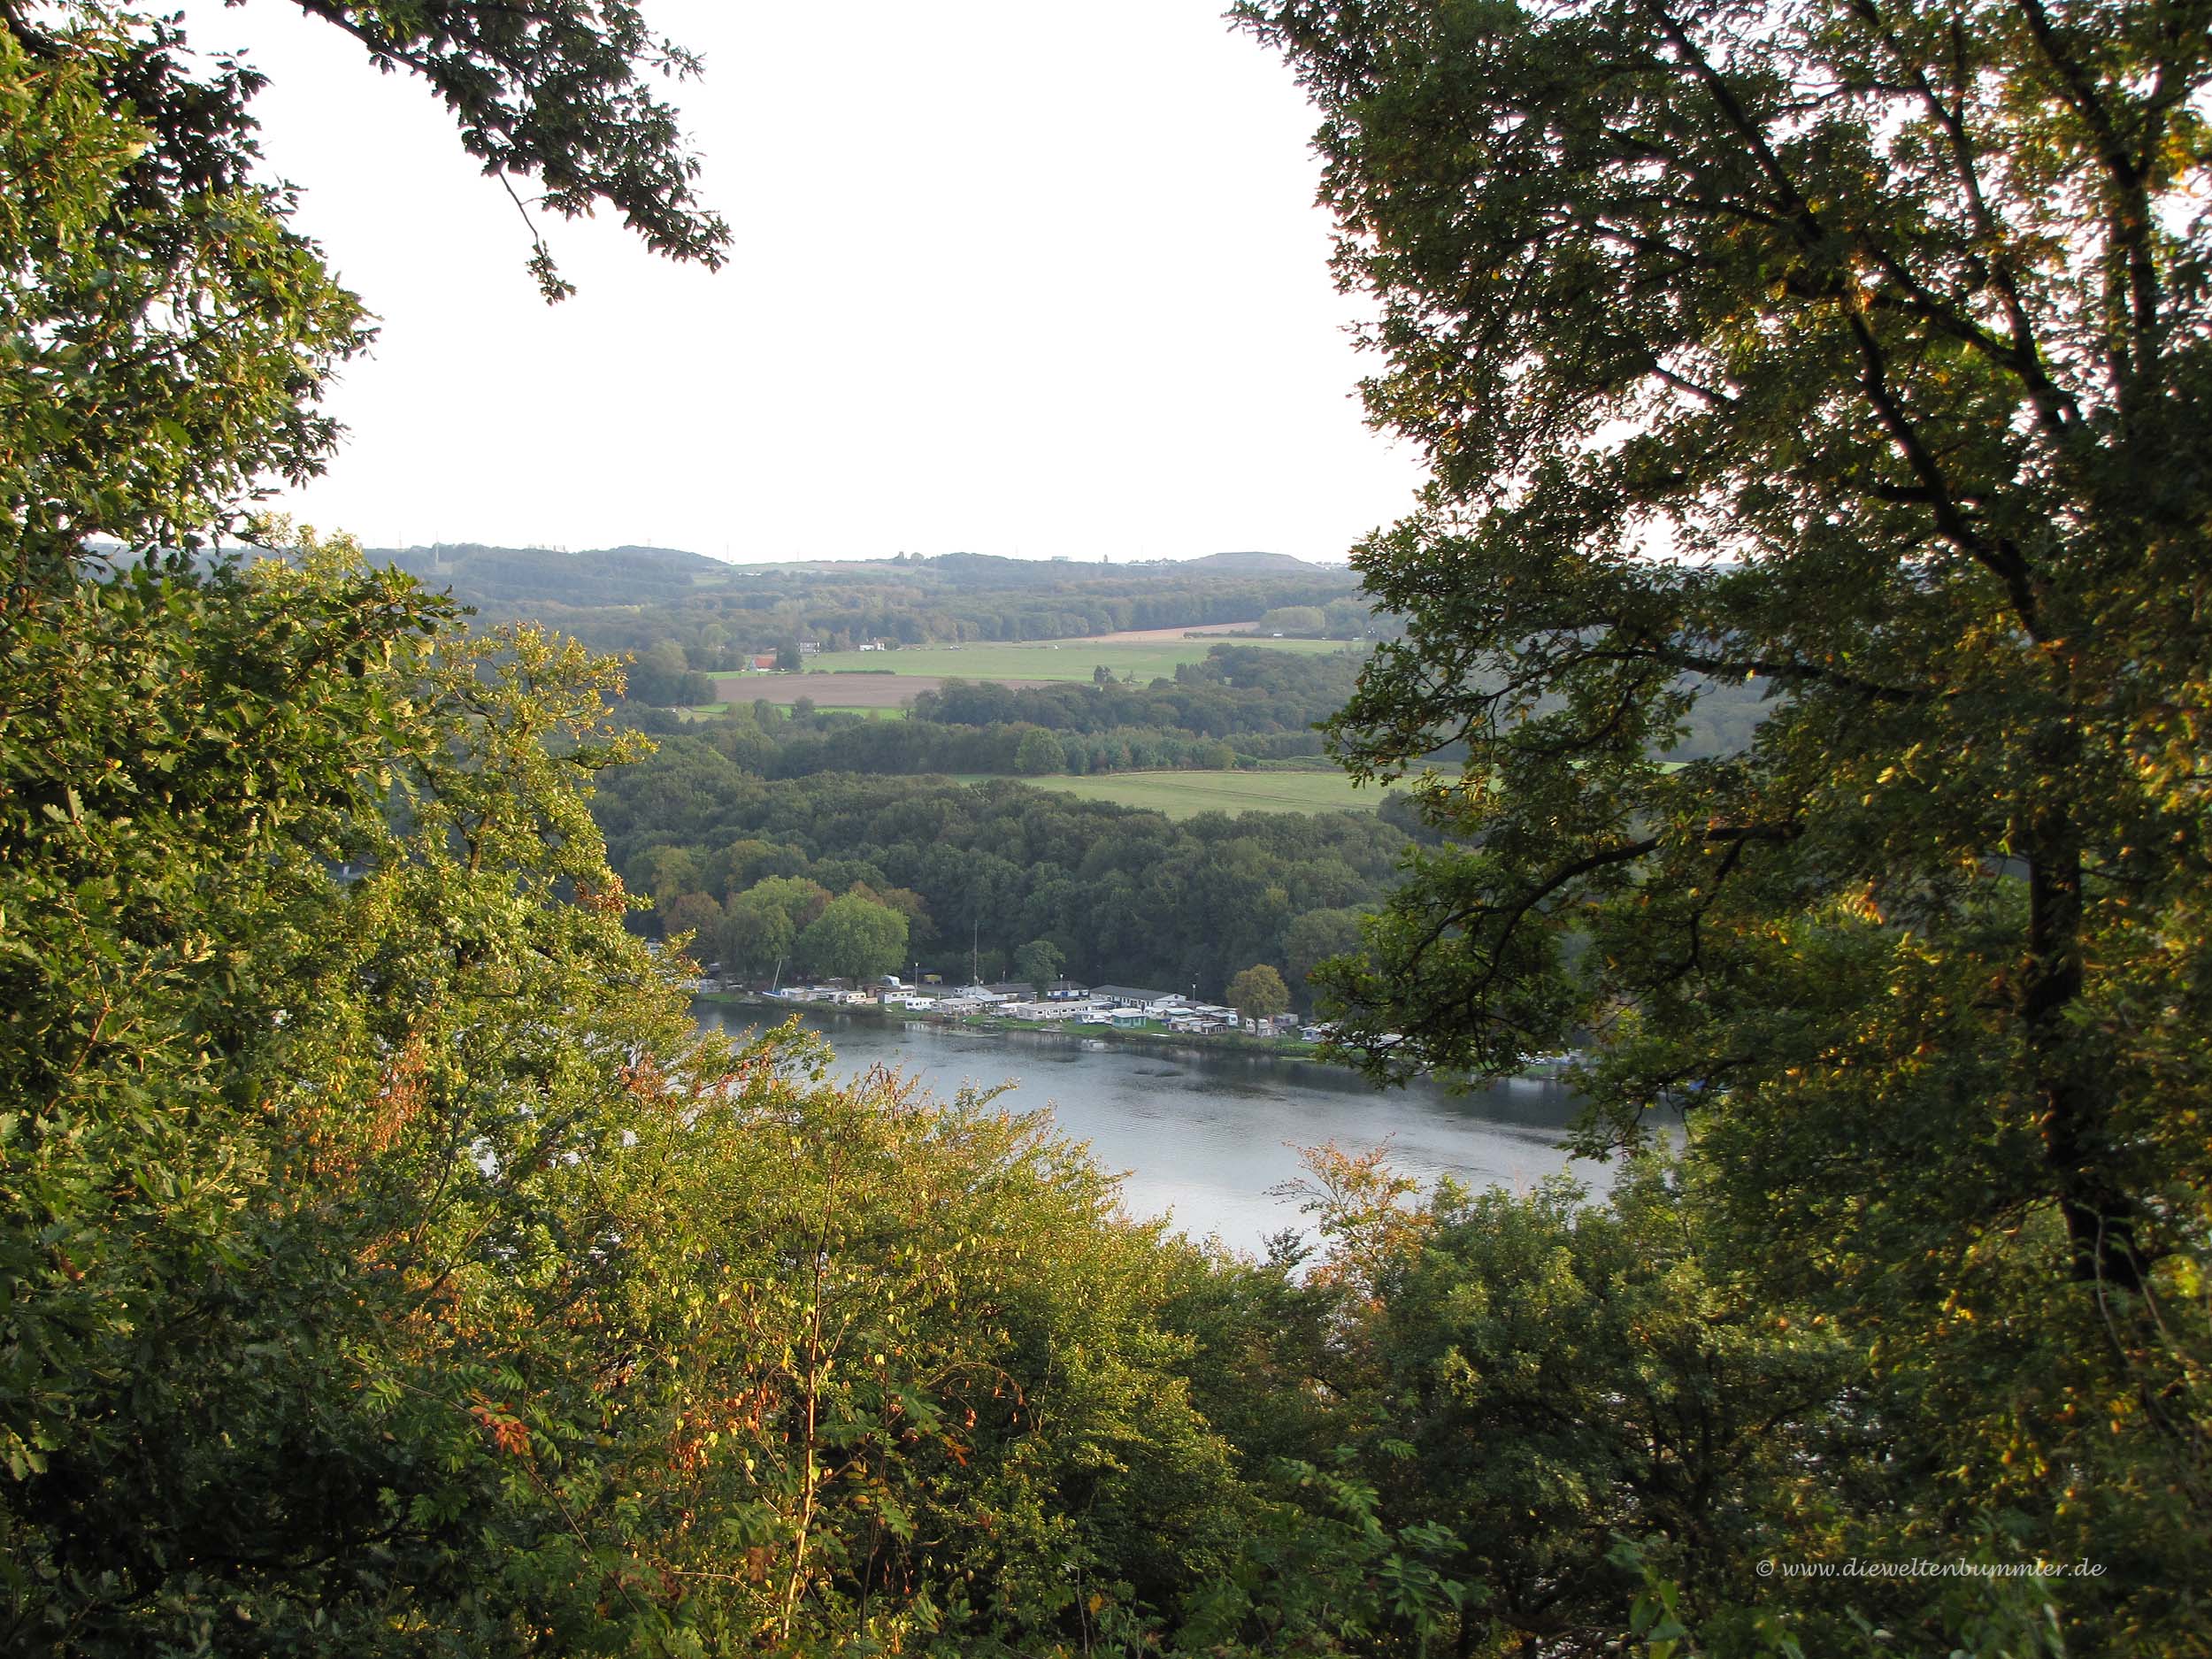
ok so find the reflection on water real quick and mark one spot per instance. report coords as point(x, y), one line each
point(1204, 1136)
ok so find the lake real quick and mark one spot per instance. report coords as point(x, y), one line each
point(1203, 1136)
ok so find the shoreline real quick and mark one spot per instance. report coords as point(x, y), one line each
point(1295, 1049)
point(988, 1025)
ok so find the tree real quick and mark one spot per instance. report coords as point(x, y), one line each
point(1314, 937)
point(136, 207)
point(1348, 618)
point(1532, 1373)
point(757, 934)
point(1038, 753)
point(696, 914)
point(662, 676)
point(280, 1146)
point(761, 925)
point(853, 939)
point(664, 872)
point(1860, 353)
point(1259, 993)
point(788, 661)
point(746, 859)
point(914, 1332)
point(908, 903)
point(1039, 961)
point(282, 1379)
point(799, 899)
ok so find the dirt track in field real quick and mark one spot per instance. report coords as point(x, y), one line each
point(843, 691)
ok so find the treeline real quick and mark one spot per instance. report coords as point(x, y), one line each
point(773, 742)
point(765, 738)
point(1242, 706)
point(718, 615)
point(1126, 897)
point(1235, 689)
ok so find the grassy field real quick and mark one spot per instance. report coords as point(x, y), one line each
point(1182, 795)
point(708, 710)
point(1054, 659)
point(834, 691)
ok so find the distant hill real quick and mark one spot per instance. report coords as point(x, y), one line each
point(722, 615)
point(612, 575)
point(1282, 563)
point(504, 576)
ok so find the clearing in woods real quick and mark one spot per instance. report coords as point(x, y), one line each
point(1182, 795)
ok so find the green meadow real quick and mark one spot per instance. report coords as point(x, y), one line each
point(1182, 795)
point(1054, 659)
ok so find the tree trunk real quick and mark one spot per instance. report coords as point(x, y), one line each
point(2100, 1217)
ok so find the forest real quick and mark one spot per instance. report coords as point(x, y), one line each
point(390, 1265)
point(1125, 896)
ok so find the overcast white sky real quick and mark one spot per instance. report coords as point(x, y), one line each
point(1009, 276)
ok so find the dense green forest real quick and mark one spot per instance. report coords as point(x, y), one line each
point(1127, 897)
point(391, 1265)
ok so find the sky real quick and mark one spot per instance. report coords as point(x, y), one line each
point(1007, 276)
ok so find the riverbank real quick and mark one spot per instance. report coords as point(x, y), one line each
point(1153, 1039)
point(1156, 1039)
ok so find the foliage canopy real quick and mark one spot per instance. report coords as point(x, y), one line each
point(387, 1265)
point(1862, 352)
point(1258, 992)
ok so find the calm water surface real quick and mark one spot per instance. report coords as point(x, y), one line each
point(1203, 1136)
